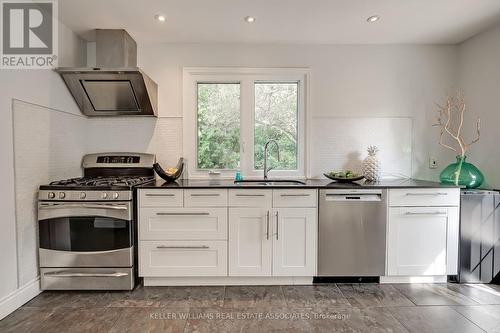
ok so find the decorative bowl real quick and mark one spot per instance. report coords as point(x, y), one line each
point(344, 180)
point(169, 177)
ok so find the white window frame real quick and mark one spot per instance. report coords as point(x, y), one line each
point(246, 77)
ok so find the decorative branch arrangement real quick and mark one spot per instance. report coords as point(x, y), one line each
point(451, 121)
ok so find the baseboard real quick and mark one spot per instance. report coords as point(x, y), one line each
point(17, 298)
point(414, 279)
point(226, 281)
point(346, 279)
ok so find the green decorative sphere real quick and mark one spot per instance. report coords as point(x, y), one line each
point(462, 173)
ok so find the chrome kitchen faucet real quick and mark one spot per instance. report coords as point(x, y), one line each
point(266, 169)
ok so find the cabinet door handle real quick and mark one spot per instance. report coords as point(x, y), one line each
point(205, 195)
point(277, 226)
point(249, 195)
point(182, 247)
point(183, 214)
point(160, 195)
point(267, 225)
point(426, 194)
point(425, 213)
point(296, 195)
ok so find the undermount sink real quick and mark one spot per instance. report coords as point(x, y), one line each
point(273, 182)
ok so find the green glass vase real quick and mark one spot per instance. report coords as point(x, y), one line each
point(462, 173)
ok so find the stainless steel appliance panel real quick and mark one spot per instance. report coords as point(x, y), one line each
point(53, 210)
point(113, 258)
point(87, 232)
point(143, 91)
point(110, 95)
point(479, 236)
point(352, 233)
point(115, 86)
point(87, 278)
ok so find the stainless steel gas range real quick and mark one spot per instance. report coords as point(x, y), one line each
point(87, 228)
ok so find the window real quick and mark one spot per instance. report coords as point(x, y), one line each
point(276, 118)
point(230, 114)
point(218, 126)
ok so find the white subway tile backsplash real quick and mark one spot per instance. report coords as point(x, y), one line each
point(48, 145)
point(340, 143)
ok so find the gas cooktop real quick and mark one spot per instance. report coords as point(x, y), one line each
point(106, 176)
point(125, 181)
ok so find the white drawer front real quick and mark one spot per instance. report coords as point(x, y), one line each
point(205, 198)
point(182, 258)
point(161, 198)
point(294, 198)
point(182, 223)
point(250, 198)
point(424, 197)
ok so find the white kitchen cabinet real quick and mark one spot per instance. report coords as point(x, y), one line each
point(182, 233)
point(294, 241)
point(161, 198)
point(228, 235)
point(182, 258)
point(205, 198)
point(182, 223)
point(422, 234)
point(422, 241)
point(424, 197)
point(274, 242)
point(295, 198)
point(250, 198)
point(250, 244)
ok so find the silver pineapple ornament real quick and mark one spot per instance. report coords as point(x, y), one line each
point(371, 165)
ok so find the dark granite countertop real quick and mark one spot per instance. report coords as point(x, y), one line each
point(309, 183)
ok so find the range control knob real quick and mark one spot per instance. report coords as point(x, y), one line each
point(116, 195)
point(83, 195)
point(51, 195)
point(104, 195)
point(62, 195)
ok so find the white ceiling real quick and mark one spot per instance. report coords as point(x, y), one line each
point(286, 21)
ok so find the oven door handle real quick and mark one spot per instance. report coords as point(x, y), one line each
point(66, 274)
point(62, 206)
point(119, 211)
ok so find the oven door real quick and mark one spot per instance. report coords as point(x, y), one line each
point(85, 234)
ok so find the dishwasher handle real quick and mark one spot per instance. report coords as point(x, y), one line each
point(354, 197)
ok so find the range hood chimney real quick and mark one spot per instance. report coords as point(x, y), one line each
point(115, 87)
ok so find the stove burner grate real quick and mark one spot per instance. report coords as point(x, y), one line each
point(102, 181)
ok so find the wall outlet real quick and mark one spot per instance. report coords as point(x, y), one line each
point(433, 164)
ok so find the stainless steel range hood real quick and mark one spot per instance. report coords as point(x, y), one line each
point(115, 86)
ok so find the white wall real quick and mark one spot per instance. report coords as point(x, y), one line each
point(42, 87)
point(346, 81)
point(479, 77)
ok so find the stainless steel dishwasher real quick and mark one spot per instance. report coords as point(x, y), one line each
point(352, 226)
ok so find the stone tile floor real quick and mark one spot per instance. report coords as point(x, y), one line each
point(319, 308)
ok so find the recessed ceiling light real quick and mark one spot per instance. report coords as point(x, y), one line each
point(160, 18)
point(249, 19)
point(373, 18)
